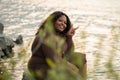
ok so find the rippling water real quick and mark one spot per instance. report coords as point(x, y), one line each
point(92, 16)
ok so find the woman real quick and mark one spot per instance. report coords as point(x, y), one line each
point(59, 25)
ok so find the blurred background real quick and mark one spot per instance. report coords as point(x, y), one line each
point(98, 35)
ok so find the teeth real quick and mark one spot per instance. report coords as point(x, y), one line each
point(61, 27)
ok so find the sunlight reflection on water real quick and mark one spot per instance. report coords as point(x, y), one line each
point(93, 16)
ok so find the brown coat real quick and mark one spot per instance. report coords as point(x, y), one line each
point(40, 52)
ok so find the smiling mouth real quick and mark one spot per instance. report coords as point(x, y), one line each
point(61, 27)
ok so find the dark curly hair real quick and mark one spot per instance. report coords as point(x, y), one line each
point(54, 16)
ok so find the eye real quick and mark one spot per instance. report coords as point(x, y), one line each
point(65, 22)
point(60, 20)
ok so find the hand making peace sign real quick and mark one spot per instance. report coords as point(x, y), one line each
point(71, 32)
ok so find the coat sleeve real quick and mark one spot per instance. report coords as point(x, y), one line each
point(47, 51)
point(70, 45)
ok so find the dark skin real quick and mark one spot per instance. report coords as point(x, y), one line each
point(41, 51)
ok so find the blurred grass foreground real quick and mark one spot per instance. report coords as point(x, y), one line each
point(7, 66)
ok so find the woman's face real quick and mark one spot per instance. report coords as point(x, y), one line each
point(60, 23)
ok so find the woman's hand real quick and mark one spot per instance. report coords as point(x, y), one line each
point(71, 32)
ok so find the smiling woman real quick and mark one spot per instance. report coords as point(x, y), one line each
point(60, 24)
point(55, 29)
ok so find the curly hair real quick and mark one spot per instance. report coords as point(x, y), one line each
point(53, 17)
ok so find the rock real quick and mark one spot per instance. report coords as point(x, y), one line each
point(19, 39)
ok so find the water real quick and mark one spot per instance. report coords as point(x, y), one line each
point(92, 16)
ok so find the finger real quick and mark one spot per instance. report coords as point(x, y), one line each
point(71, 24)
point(76, 28)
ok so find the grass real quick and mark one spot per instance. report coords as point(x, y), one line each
point(63, 72)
